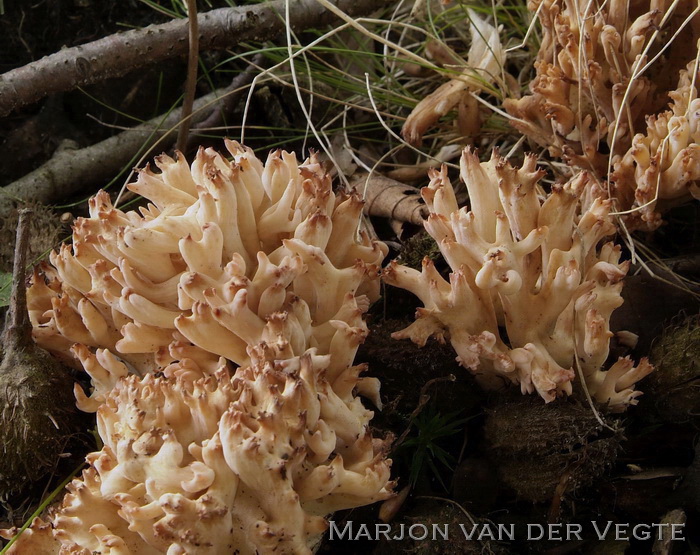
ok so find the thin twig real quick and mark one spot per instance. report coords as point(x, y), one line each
point(68, 173)
point(423, 399)
point(234, 93)
point(191, 83)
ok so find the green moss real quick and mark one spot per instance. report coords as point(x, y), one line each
point(416, 248)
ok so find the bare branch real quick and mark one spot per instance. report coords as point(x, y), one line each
point(121, 53)
point(71, 171)
point(230, 100)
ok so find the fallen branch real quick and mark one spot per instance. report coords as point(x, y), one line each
point(121, 53)
point(71, 171)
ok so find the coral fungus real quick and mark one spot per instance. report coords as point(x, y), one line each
point(662, 167)
point(531, 290)
point(602, 70)
point(225, 256)
point(249, 464)
point(589, 89)
point(219, 326)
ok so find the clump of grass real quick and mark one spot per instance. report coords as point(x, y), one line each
point(349, 89)
point(424, 446)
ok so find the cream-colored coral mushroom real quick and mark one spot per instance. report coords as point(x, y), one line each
point(530, 266)
point(249, 463)
point(662, 168)
point(590, 94)
point(198, 272)
point(482, 68)
point(218, 325)
point(38, 538)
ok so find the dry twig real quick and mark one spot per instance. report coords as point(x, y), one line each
point(70, 172)
point(228, 102)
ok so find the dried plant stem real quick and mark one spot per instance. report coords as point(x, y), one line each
point(18, 331)
point(237, 87)
point(228, 102)
point(70, 172)
point(191, 84)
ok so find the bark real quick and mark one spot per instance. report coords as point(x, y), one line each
point(71, 171)
point(121, 53)
point(18, 330)
point(387, 198)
